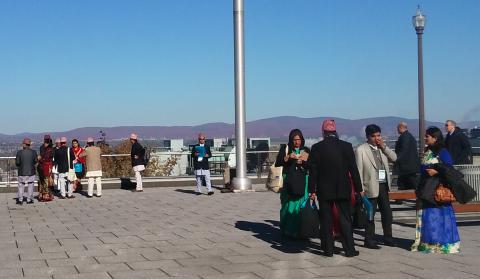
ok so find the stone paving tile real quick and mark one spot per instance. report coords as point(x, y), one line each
point(71, 261)
point(97, 275)
point(49, 271)
point(213, 252)
point(167, 256)
point(336, 271)
point(202, 261)
point(84, 268)
point(153, 264)
point(389, 275)
point(248, 258)
point(20, 264)
point(190, 271)
point(179, 248)
point(90, 253)
point(10, 272)
point(442, 273)
point(285, 274)
point(290, 264)
point(241, 267)
point(43, 256)
point(121, 258)
point(233, 276)
point(139, 274)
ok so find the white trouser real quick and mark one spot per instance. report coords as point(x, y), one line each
point(56, 186)
point(22, 182)
point(62, 182)
point(203, 173)
point(98, 181)
point(138, 176)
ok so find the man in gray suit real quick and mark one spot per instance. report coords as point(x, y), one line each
point(372, 161)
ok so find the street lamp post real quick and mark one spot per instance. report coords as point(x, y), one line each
point(419, 23)
point(240, 182)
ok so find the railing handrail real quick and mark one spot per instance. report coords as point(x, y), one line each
point(215, 153)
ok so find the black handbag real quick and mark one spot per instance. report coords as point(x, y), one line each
point(309, 220)
point(359, 214)
point(427, 188)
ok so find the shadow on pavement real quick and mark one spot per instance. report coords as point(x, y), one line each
point(127, 184)
point(270, 233)
point(193, 192)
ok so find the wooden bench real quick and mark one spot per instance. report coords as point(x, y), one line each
point(410, 195)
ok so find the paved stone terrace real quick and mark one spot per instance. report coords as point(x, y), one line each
point(170, 232)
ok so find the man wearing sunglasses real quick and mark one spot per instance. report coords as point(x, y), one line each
point(200, 154)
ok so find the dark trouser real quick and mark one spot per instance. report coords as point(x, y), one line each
point(407, 181)
point(383, 203)
point(326, 222)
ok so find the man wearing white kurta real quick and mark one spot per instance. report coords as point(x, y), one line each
point(94, 167)
point(200, 154)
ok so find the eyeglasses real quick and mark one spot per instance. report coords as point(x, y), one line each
point(201, 138)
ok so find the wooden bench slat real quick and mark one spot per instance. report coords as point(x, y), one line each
point(410, 195)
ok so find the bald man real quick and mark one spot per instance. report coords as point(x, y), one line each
point(408, 161)
point(200, 154)
point(457, 144)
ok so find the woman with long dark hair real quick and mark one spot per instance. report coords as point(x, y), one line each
point(45, 164)
point(293, 157)
point(436, 229)
point(77, 161)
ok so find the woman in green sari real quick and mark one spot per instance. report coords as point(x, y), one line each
point(293, 158)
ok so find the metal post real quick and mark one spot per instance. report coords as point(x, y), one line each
point(421, 107)
point(8, 173)
point(240, 182)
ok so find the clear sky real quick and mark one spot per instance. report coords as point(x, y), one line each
point(66, 64)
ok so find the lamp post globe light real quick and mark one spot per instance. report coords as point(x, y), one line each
point(419, 20)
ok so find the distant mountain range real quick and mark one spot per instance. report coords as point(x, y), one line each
point(274, 127)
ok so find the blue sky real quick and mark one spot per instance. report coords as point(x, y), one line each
point(69, 64)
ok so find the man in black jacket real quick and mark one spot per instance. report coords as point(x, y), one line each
point(200, 154)
point(63, 159)
point(332, 162)
point(137, 154)
point(25, 161)
point(408, 162)
point(457, 144)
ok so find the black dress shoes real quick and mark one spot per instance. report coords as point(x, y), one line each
point(371, 245)
point(353, 253)
point(328, 254)
point(388, 241)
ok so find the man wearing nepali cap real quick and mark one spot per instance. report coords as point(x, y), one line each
point(63, 160)
point(56, 186)
point(137, 155)
point(25, 161)
point(94, 167)
point(332, 163)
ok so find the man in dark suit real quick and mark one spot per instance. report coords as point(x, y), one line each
point(408, 162)
point(457, 144)
point(332, 162)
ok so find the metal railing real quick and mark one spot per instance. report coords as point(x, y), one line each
point(258, 163)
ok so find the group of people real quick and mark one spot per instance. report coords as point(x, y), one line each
point(335, 175)
point(60, 168)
